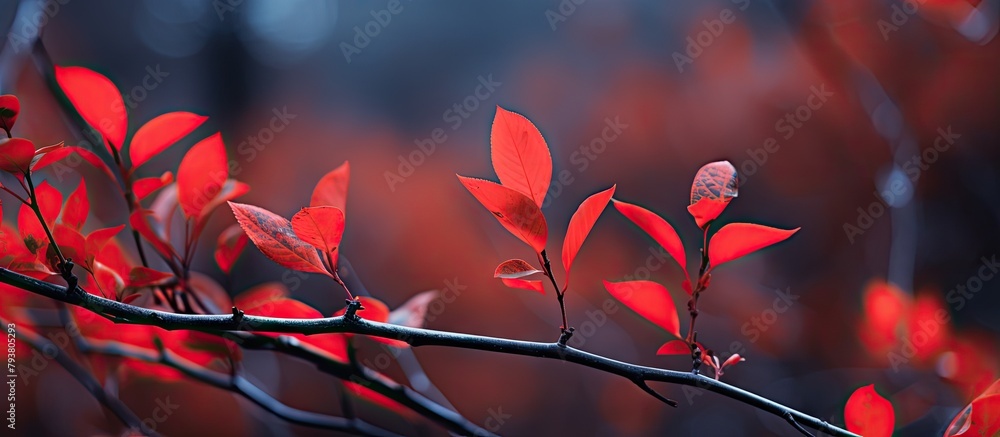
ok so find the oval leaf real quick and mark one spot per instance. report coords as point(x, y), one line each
point(50, 201)
point(16, 154)
point(515, 211)
point(658, 228)
point(737, 239)
point(580, 224)
point(331, 190)
point(514, 268)
point(869, 414)
point(650, 300)
point(97, 100)
point(201, 175)
point(74, 213)
point(160, 133)
point(320, 226)
point(520, 156)
point(273, 235)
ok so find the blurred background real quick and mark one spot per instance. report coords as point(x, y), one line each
point(873, 125)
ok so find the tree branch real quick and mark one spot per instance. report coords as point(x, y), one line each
point(123, 313)
point(109, 401)
point(233, 383)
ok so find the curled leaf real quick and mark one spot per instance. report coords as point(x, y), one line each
point(62, 153)
point(142, 188)
point(714, 185)
point(514, 268)
point(10, 108)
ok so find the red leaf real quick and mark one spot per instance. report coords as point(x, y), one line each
point(658, 228)
point(580, 224)
point(142, 188)
point(260, 295)
point(97, 100)
point(520, 156)
point(140, 222)
point(87, 155)
point(331, 190)
point(74, 213)
point(230, 245)
point(413, 312)
point(524, 284)
point(30, 229)
point(650, 300)
point(10, 108)
point(320, 226)
point(160, 133)
point(16, 154)
point(201, 175)
point(514, 269)
point(98, 239)
point(146, 277)
point(737, 239)
point(274, 236)
point(717, 182)
point(982, 418)
point(869, 414)
point(71, 243)
point(49, 201)
point(514, 210)
point(674, 347)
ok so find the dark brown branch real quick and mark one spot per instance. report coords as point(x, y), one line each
point(123, 313)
